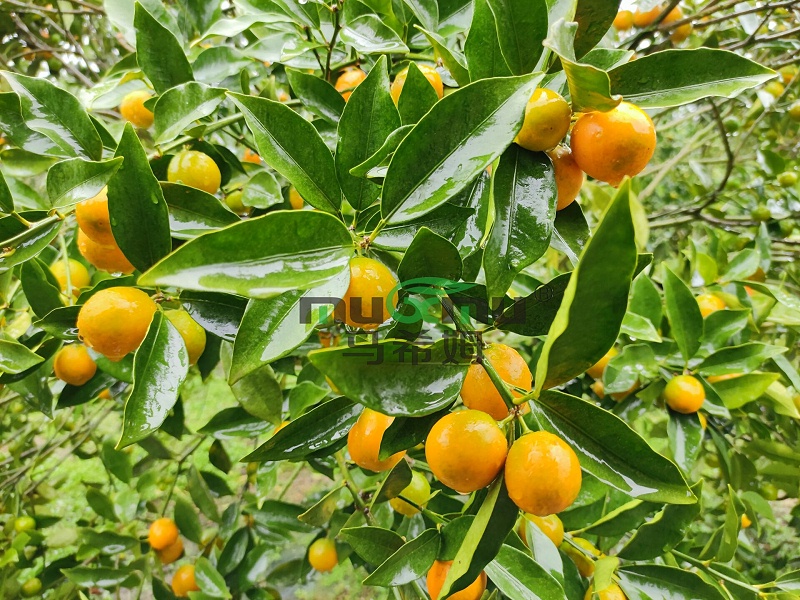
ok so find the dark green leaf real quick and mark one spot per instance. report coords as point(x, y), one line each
point(452, 60)
point(686, 322)
point(430, 255)
point(159, 53)
point(396, 481)
point(193, 212)
point(521, 29)
point(187, 520)
point(409, 563)
point(383, 153)
point(177, 108)
point(519, 577)
point(15, 129)
point(235, 422)
point(318, 96)
point(570, 232)
point(89, 577)
point(534, 314)
point(482, 48)
point(234, 551)
point(29, 242)
point(74, 180)
point(37, 283)
point(417, 97)
point(209, 580)
point(738, 359)
point(15, 358)
point(218, 313)
point(594, 20)
point(407, 432)
point(201, 494)
point(108, 542)
point(659, 582)
point(373, 544)
point(6, 200)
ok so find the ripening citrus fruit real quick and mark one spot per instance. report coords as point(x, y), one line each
point(684, 394)
point(680, 33)
point(438, 573)
point(194, 336)
point(709, 303)
point(775, 88)
point(234, 202)
point(194, 169)
point(115, 321)
point(703, 420)
point(74, 365)
point(612, 592)
point(761, 213)
point(31, 588)
point(78, 275)
point(163, 533)
point(24, 523)
point(646, 18)
point(418, 492)
point(547, 118)
point(794, 111)
point(106, 258)
point(322, 555)
point(584, 563)
point(430, 74)
point(171, 553)
point(183, 581)
point(543, 474)
point(105, 395)
point(133, 110)
point(596, 370)
point(466, 450)
point(348, 81)
point(569, 177)
point(623, 21)
point(295, 199)
point(610, 145)
point(479, 393)
point(716, 378)
point(364, 303)
point(788, 73)
point(746, 522)
point(93, 219)
point(364, 441)
point(251, 157)
point(787, 179)
point(550, 525)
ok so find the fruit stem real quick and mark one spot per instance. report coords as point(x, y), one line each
point(707, 567)
point(353, 488)
point(291, 480)
point(65, 257)
point(381, 224)
point(498, 382)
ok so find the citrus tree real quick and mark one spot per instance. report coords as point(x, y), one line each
point(292, 287)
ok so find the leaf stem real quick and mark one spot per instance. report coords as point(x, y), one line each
point(289, 483)
point(353, 489)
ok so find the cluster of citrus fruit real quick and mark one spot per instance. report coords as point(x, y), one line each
point(164, 538)
point(627, 19)
point(32, 586)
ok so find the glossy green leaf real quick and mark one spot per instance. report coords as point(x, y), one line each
point(304, 395)
point(482, 48)
point(587, 324)
point(407, 432)
point(426, 11)
point(430, 255)
point(368, 35)
point(186, 519)
point(534, 314)
point(738, 391)
point(209, 580)
point(394, 377)
point(29, 242)
point(101, 504)
point(685, 439)
point(589, 86)
point(444, 220)
point(139, 213)
point(660, 582)
point(249, 258)
point(219, 314)
point(291, 145)
point(675, 77)
point(262, 191)
point(395, 482)
point(43, 294)
point(521, 28)
point(217, 63)
point(6, 200)
point(683, 312)
point(234, 551)
point(789, 582)
point(484, 538)
point(101, 577)
point(15, 129)
point(108, 542)
point(15, 358)
point(623, 519)
point(594, 20)
point(373, 544)
point(193, 212)
point(738, 359)
point(721, 326)
point(468, 236)
point(318, 96)
point(56, 114)
point(74, 180)
point(273, 328)
point(160, 366)
point(610, 450)
point(461, 135)
point(639, 328)
point(320, 514)
point(382, 154)
point(417, 97)
point(201, 494)
point(180, 106)
point(525, 205)
point(570, 232)
point(409, 563)
point(159, 53)
point(317, 429)
point(235, 422)
point(452, 60)
point(259, 393)
point(634, 365)
point(519, 577)
point(368, 120)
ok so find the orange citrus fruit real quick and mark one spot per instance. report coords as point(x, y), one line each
point(684, 394)
point(133, 110)
point(716, 378)
point(584, 563)
point(322, 555)
point(194, 336)
point(438, 573)
point(78, 275)
point(547, 119)
point(417, 491)
point(93, 219)
point(709, 303)
point(612, 592)
point(543, 474)
point(196, 170)
point(184, 582)
point(610, 145)
point(349, 80)
point(596, 370)
point(430, 74)
point(295, 199)
point(370, 285)
point(646, 18)
point(479, 393)
point(623, 21)
point(163, 533)
point(569, 177)
point(106, 258)
point(74, 365)
point(115, 321)
point(550, 525)
point(746, 522)
point(466, 450)
point(680, 33)
point(251, 157)
point(171, 553)
point(364, 441)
